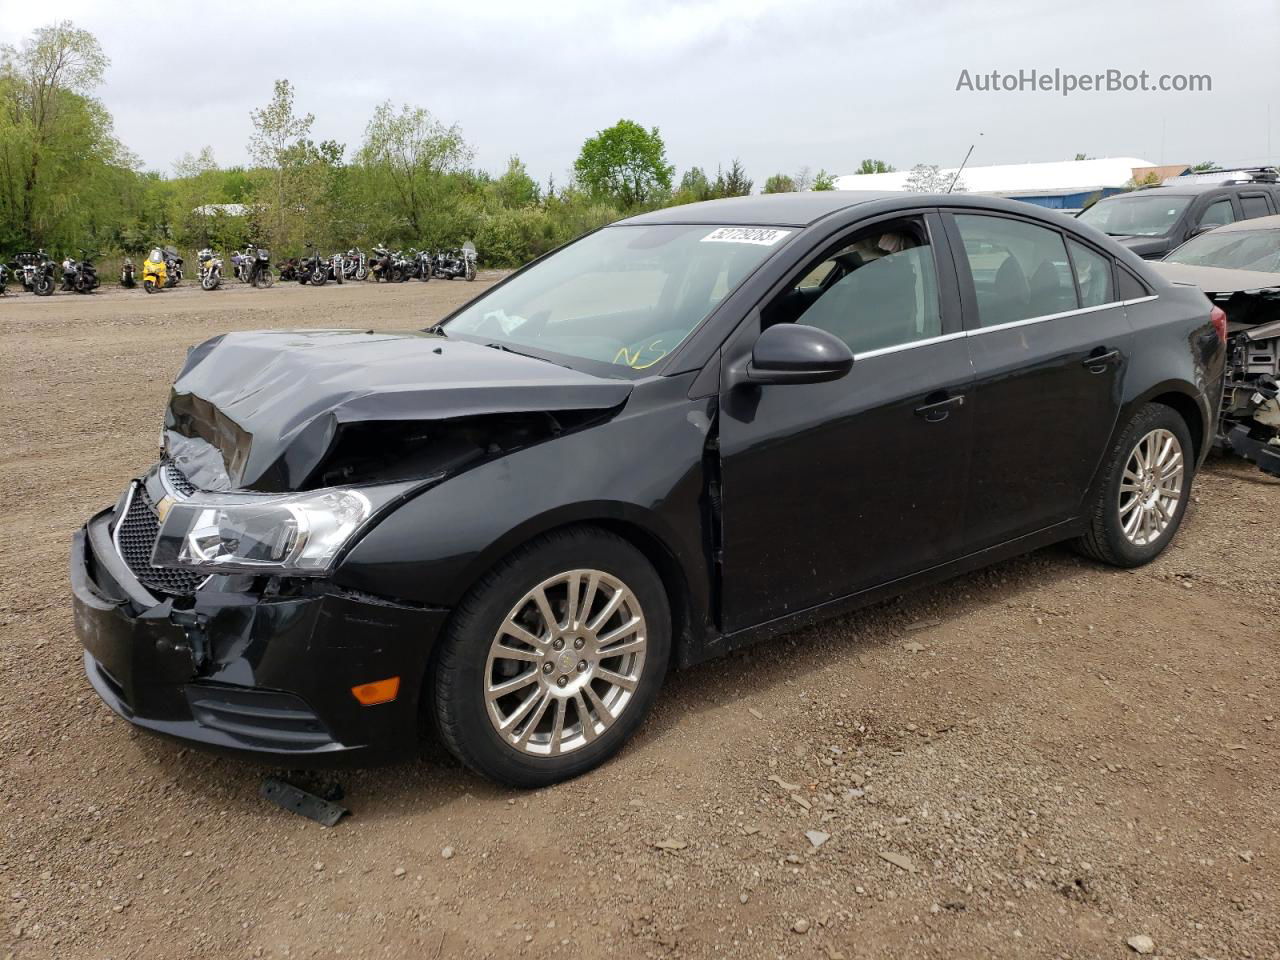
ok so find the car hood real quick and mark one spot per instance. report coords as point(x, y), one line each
point(1217, 279)
point(1145, 247)
point(273, 403)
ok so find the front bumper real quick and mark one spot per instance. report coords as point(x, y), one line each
point(233, 670)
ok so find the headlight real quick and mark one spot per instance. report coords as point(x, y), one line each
point(297, 534)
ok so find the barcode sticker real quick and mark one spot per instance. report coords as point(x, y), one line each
point(761, 236)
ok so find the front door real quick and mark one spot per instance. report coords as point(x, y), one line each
point(831, 488)
point(1049, 343)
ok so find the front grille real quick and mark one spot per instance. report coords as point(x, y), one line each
point(176, 479)
point(135, 536)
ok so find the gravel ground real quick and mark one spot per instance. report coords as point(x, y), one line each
point(1044, 759)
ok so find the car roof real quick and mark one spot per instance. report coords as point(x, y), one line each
point(780, 209)
point(1256, 223)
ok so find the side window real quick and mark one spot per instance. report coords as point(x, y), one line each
point(1254, 205)
point(1019, 270)
point(1093, 275)
point(877, 289)
point(1131, 288)
point(1219, 212)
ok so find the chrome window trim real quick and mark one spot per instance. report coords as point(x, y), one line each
point(928, 341)
point(978, 331)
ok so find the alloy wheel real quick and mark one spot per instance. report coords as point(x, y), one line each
point(565, 663)
point(1151, 487)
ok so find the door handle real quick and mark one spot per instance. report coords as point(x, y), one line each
point(936, 411)
point(1098, 362)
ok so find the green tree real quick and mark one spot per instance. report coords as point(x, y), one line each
point(779, 183)
point(273, 146)
point(412, 154)
point(57, 150)
point(515, 188)
point(1204, 166)
point(734, 183)
point(625, 163)
point(874, 166)
point(694, 187)
point(824, 181)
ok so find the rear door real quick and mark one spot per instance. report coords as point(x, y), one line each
point(1049, 343)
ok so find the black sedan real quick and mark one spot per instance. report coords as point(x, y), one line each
point(683, 433)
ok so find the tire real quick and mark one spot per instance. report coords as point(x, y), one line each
point(44, 286)
point(465, 665)
point(263, 279)
point(362, 273)
point(149, 285)
point(318, 278)
point(1121, 532)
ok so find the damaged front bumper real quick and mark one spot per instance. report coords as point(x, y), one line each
point(233, 669)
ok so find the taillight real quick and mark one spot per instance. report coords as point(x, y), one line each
point(1219, 320)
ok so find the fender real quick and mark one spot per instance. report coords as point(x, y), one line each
point(437, 544)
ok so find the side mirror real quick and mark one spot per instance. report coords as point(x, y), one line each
point(795, 353)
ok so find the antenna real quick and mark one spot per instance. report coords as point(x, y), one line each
point(959, 171)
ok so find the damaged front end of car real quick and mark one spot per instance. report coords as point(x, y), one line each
point(206, 597)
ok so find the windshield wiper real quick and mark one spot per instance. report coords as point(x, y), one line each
point(520, 353)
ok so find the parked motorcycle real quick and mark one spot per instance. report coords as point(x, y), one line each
point(36, 271)
point(173, 266)
point(80, 275)
point(210, 269)
point(155, 271)
point(4, 278)
point(313, 269)
point(451, 264)
point(126, 274)
point(289, 269)
point(260, 268)
point(422, 265)
point(380, 264)
point(355, 265)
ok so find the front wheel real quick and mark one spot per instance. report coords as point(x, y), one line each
point(149, 285)
point(263, 279)
point(318, 278)
point(1144, 490)
point(44, 286)
point(553, 659)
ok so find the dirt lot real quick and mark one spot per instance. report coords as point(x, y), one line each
point(1044, 759)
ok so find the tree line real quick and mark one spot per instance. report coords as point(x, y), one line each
point(68, 183)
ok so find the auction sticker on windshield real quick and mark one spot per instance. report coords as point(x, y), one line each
point(758, 235)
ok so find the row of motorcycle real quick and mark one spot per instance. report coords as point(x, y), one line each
point(39, 273)
point(391, 266)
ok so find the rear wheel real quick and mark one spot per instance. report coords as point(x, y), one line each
point(553, 659)
point(1144, 491)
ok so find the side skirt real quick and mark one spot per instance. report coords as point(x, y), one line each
point(715, 646)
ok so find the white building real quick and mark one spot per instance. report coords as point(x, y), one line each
point(1062, 185)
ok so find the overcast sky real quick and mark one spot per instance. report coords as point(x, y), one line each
point(779, 83)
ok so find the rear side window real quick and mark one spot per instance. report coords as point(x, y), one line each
point(1131, 288)
point(1219, 212)
point(1254, 205)
point(1019, 270)
point(1093, 275)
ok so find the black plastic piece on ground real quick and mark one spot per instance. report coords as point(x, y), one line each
point(299, 801)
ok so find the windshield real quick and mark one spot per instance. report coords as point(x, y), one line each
point(1136, 216)
point(1236, 249)
point(625, 295)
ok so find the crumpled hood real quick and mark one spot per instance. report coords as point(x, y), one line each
point(273, 402)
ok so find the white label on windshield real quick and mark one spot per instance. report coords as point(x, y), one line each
point(762, 236)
